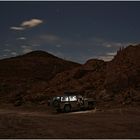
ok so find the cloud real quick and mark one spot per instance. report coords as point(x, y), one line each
point(5, 55)
point(24, 46)
point(27, 24)
point(111, 44)
point(17, 28)
point(107, 43)
point(79, 50)
point(21, 38)
point(26, 50)
point(31, 23)
point(111, 53)
point(14, 53)
point(106, 57)
point(7, 50)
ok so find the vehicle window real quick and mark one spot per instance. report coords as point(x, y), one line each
point(73, 98)
point(56, 98)
point(64, 98)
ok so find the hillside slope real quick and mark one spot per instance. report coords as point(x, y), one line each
point(38, 75)
point(123, 75)
point(19, 74)
point(112, 83)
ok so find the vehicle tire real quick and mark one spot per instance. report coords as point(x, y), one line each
point(67, 108)
point(55, 103)
point(18, 103)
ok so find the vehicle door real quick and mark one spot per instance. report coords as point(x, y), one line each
point(73, 102)
point(64, 101)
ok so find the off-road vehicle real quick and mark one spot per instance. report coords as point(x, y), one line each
point(71, 102)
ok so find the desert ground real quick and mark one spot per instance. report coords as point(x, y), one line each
point(44, 123)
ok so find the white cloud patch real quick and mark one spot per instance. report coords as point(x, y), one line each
point(27, 24)
point(14, 53)
point(17, 28)
point(26, 50)
point(24, 46)
point(106, 57)
point(21, 38)
point(111, 44)
point(31, 23)
point(108, 45)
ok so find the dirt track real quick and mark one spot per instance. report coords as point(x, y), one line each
point(90, 124)
point(41, 114)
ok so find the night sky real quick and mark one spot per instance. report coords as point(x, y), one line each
point(75, 31)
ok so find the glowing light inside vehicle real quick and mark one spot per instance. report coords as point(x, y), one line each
point(65, 98)
point(73, 98)
point(57, 97)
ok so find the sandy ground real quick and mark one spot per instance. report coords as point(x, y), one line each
point(115, 123)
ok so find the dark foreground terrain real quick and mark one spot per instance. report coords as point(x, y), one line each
point(113, 123)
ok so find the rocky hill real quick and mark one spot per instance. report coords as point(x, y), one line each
point(19, 74)
point(112, 83)
point(38, 75)
point(123, 75)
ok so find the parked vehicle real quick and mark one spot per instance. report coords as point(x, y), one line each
point(72, 102)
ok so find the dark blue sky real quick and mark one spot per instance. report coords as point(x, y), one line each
point(72, 30)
